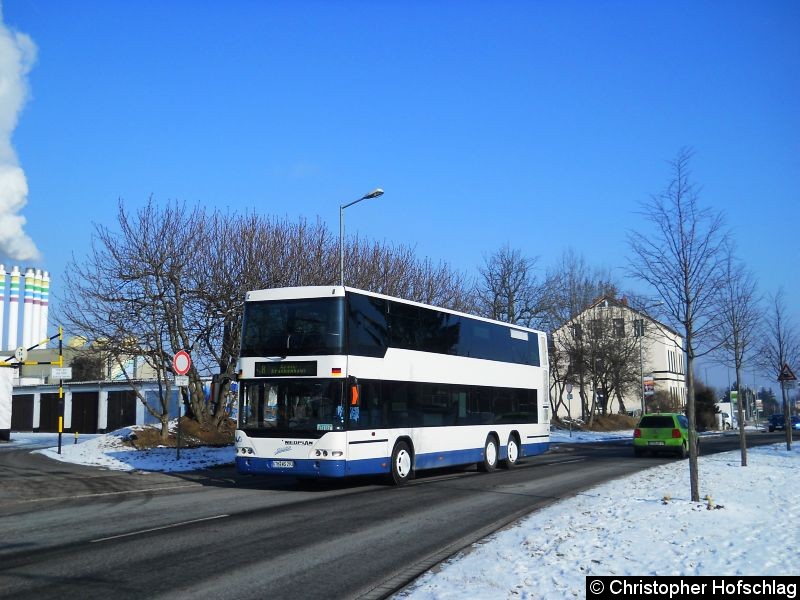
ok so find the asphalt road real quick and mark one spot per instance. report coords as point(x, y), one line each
point(79, 532)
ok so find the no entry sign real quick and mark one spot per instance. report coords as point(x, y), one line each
point(181, 363)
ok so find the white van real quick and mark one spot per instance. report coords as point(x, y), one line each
point(724, 418)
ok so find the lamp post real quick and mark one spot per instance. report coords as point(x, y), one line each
point(373, 194)
point(638, 328)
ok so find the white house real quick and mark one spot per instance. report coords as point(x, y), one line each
point(613, 341)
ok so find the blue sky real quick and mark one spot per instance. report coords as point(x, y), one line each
point(537, 124)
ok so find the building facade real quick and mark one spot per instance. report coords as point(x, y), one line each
point(613, 358)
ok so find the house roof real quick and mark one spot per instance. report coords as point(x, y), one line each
point(605, 301)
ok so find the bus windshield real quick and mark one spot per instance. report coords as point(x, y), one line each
point(293, 327)
point(289, 405)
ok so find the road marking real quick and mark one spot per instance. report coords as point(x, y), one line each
point(171, 526)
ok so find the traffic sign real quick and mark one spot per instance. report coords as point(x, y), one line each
point(181, 363)
point(786, 373)
point(61, 372)
point(182, 380)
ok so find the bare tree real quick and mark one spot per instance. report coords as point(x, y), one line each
point(167, 278)
point(599, 346)
point(129, 295)
point(396, 271)
point(740, 319)
point(781, 347)
point(570, 287)
point(507, 289)
point(679, 257)
point(619, 358)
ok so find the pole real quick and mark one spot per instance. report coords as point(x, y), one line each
point(341, 245)
point(787, 419)
point(755, 399)
point(641, 371)
point(180, 406)
point(373, 194)
point(60, 386)
point(639, 327)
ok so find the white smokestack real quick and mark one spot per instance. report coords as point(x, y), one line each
point(27, 310)
point(13, 309)
point(43, 333)
point(17, 55)
point(36, 313)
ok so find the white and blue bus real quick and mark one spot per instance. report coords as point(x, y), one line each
point(337, 382)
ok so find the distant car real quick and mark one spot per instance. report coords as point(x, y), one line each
point(662, 432)
point(777, 422)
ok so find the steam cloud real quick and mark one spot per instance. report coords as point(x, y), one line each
point(17, 55)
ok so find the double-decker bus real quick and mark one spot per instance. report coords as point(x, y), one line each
point(337, 382)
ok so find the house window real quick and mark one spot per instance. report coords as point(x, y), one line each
point(619, 328)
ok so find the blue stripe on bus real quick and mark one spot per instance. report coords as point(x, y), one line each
point(447, 459)
point(374, 466)
point(534, 449)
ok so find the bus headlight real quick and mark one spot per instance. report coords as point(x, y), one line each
point(337, 453)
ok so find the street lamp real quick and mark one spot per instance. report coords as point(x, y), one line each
point(373, 194)
point(638, 331)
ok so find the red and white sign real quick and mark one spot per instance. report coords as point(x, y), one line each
point(181, 363)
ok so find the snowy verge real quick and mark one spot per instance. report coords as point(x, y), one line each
point(110, 451)
point(643, 524)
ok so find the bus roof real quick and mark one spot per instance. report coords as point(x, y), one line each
point(329, 291)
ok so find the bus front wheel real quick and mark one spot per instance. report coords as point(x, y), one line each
point(489, 462)
point(402, 464)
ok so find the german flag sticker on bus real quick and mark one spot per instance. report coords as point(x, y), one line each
point(336, 371)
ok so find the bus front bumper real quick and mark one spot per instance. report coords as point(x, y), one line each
point(299, 467)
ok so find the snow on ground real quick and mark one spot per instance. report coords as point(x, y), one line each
point(110, 452)
point(643, 524)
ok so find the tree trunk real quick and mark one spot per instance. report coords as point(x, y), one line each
point(164, 419)
point(694, 479)
point(621, 403)
point(740, 414)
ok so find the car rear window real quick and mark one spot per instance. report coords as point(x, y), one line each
point(656, 421)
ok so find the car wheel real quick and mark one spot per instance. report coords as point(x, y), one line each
point(771, 429)
point(684, 451)
point(402, 468)
point(512, 453)
point(638, 452)
point(489, 462)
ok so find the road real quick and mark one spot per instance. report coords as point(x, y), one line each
point(70, 531)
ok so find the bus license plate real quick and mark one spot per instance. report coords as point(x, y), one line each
point(283, 464)
point(658, 443)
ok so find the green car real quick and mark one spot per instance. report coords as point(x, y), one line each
point(662, 432)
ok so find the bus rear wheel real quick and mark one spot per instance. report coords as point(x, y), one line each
point(512, 453)
point(489, 462)
point(402, 464)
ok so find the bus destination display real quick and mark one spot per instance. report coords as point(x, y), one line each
point(306, 368)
